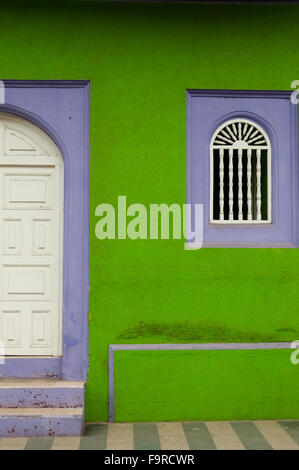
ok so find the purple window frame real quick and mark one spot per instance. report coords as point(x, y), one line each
point(200, 128)
point(61, 109)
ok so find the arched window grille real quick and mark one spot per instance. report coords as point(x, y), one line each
point(240, 174)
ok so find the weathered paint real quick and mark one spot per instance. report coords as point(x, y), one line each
point(45, 396)
point(66, 422)
point(140, 59)
point(41, 408)
point(27, 368)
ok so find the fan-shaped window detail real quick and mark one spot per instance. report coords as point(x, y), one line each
point(240, 179)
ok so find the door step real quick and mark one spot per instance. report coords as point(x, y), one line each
point(37, 407)
point(22, 422)
point(37, 393)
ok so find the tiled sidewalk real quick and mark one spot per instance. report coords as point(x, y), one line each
point(238, 435)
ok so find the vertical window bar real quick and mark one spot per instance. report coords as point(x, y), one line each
point(240, 193)
point(258, 185)
point(230, 183)
point(249, 193)
point(221, 183)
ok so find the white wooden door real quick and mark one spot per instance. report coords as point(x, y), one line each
point(31, 205)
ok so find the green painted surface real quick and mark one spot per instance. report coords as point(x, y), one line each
point(140, 59)
point(205, 385)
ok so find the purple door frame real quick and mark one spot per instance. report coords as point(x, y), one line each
point(61, 109)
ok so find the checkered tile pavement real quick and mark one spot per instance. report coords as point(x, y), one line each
point(230, 435)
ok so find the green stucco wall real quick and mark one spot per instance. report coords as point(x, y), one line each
point(140, 58)
point(210, 385)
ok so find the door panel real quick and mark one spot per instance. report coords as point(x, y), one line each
point(31, 256)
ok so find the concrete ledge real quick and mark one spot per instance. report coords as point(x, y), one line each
point(30, 426)
point(39, 383)
point(41, 394)
point(50, 412)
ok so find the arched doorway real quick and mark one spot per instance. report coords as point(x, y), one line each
point(31, 220)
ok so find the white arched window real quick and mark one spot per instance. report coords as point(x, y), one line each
point(240, 174)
